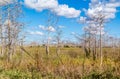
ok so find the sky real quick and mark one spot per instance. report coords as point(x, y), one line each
point(69, 13)
point(35, 18)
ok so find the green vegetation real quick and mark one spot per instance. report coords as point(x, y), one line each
point(69, 64)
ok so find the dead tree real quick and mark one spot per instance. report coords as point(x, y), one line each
point(58, 37)
point(1, 32)
point(12, 27)
point(51, 23)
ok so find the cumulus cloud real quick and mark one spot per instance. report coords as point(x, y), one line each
point(82, 19)
point(37, 33)
point(50, 28)
point(40, 5)
point(113, 4)
point(60, 26)
point(64, 10)
point(42, 27)
point(94, 1)
point(107, 9)
point(54, 6)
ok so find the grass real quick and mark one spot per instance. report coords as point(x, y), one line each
point(69, 65)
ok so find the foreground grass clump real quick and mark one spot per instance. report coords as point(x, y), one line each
point(70, 64)
point(13, 74)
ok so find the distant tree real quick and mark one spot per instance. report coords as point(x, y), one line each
point(98, 15)
point(58, 37)
point(51, 24)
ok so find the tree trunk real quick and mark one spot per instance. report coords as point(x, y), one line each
point(47, 49)
point(101, 54)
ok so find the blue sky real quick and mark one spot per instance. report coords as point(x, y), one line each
point(33, 19)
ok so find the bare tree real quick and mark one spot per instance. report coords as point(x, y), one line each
point(58, 38)
point(51, 24)
point(97, 15)
point(11, 27)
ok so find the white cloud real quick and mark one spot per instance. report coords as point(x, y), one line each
point(107, 9)
point(54, 6)
point(60, 26)
point(110, 10)
point(40, 5)
point(113, 4)
point(42, 27)
point(82, 19)
point(4, 2)
point(50, 28)
point(94, 1)
point(64, 10)
point(97, 9)
point(37, 33)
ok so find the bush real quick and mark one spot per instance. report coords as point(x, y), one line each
point(16, 74)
